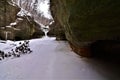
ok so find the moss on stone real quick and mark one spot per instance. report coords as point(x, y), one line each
point(88, 20)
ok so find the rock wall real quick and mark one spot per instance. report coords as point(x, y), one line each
point(28, 29)
point(10, 21)
point(32, 8)
point(7, 13)
point(87, 21)
point(57, 28)
point(7, 16)
point(57, 31)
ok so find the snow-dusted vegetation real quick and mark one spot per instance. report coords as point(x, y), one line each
point(10, 49)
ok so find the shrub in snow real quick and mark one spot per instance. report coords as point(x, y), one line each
point(23, 48)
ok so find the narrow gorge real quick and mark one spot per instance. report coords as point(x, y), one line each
point(91, 27)
point(59, 39)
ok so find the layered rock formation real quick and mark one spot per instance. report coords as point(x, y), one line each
point(7, 16)
point(33, 17)
point(33, 9)
point(28, 29)
point(7, 13)
point(87, 21)
point(57, 30)
point(17, 23)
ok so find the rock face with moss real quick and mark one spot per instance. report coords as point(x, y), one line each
point(7, 16)
point(57, 30)
point(28, 29)
point(87, 21)
point(10, 22)
point(7, 13)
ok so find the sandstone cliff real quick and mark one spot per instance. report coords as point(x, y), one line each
point(17, 27)
point(87, 21)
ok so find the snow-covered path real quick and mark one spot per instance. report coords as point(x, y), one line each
point(53, 60)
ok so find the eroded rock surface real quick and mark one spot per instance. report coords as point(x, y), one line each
point(86, 21)
point(17, 25)
point(7, 13)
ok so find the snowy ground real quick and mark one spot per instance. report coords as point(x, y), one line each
point(53, 60)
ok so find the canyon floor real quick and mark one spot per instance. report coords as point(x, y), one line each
point(54, 60)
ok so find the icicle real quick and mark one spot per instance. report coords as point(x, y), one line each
point(45, 29)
